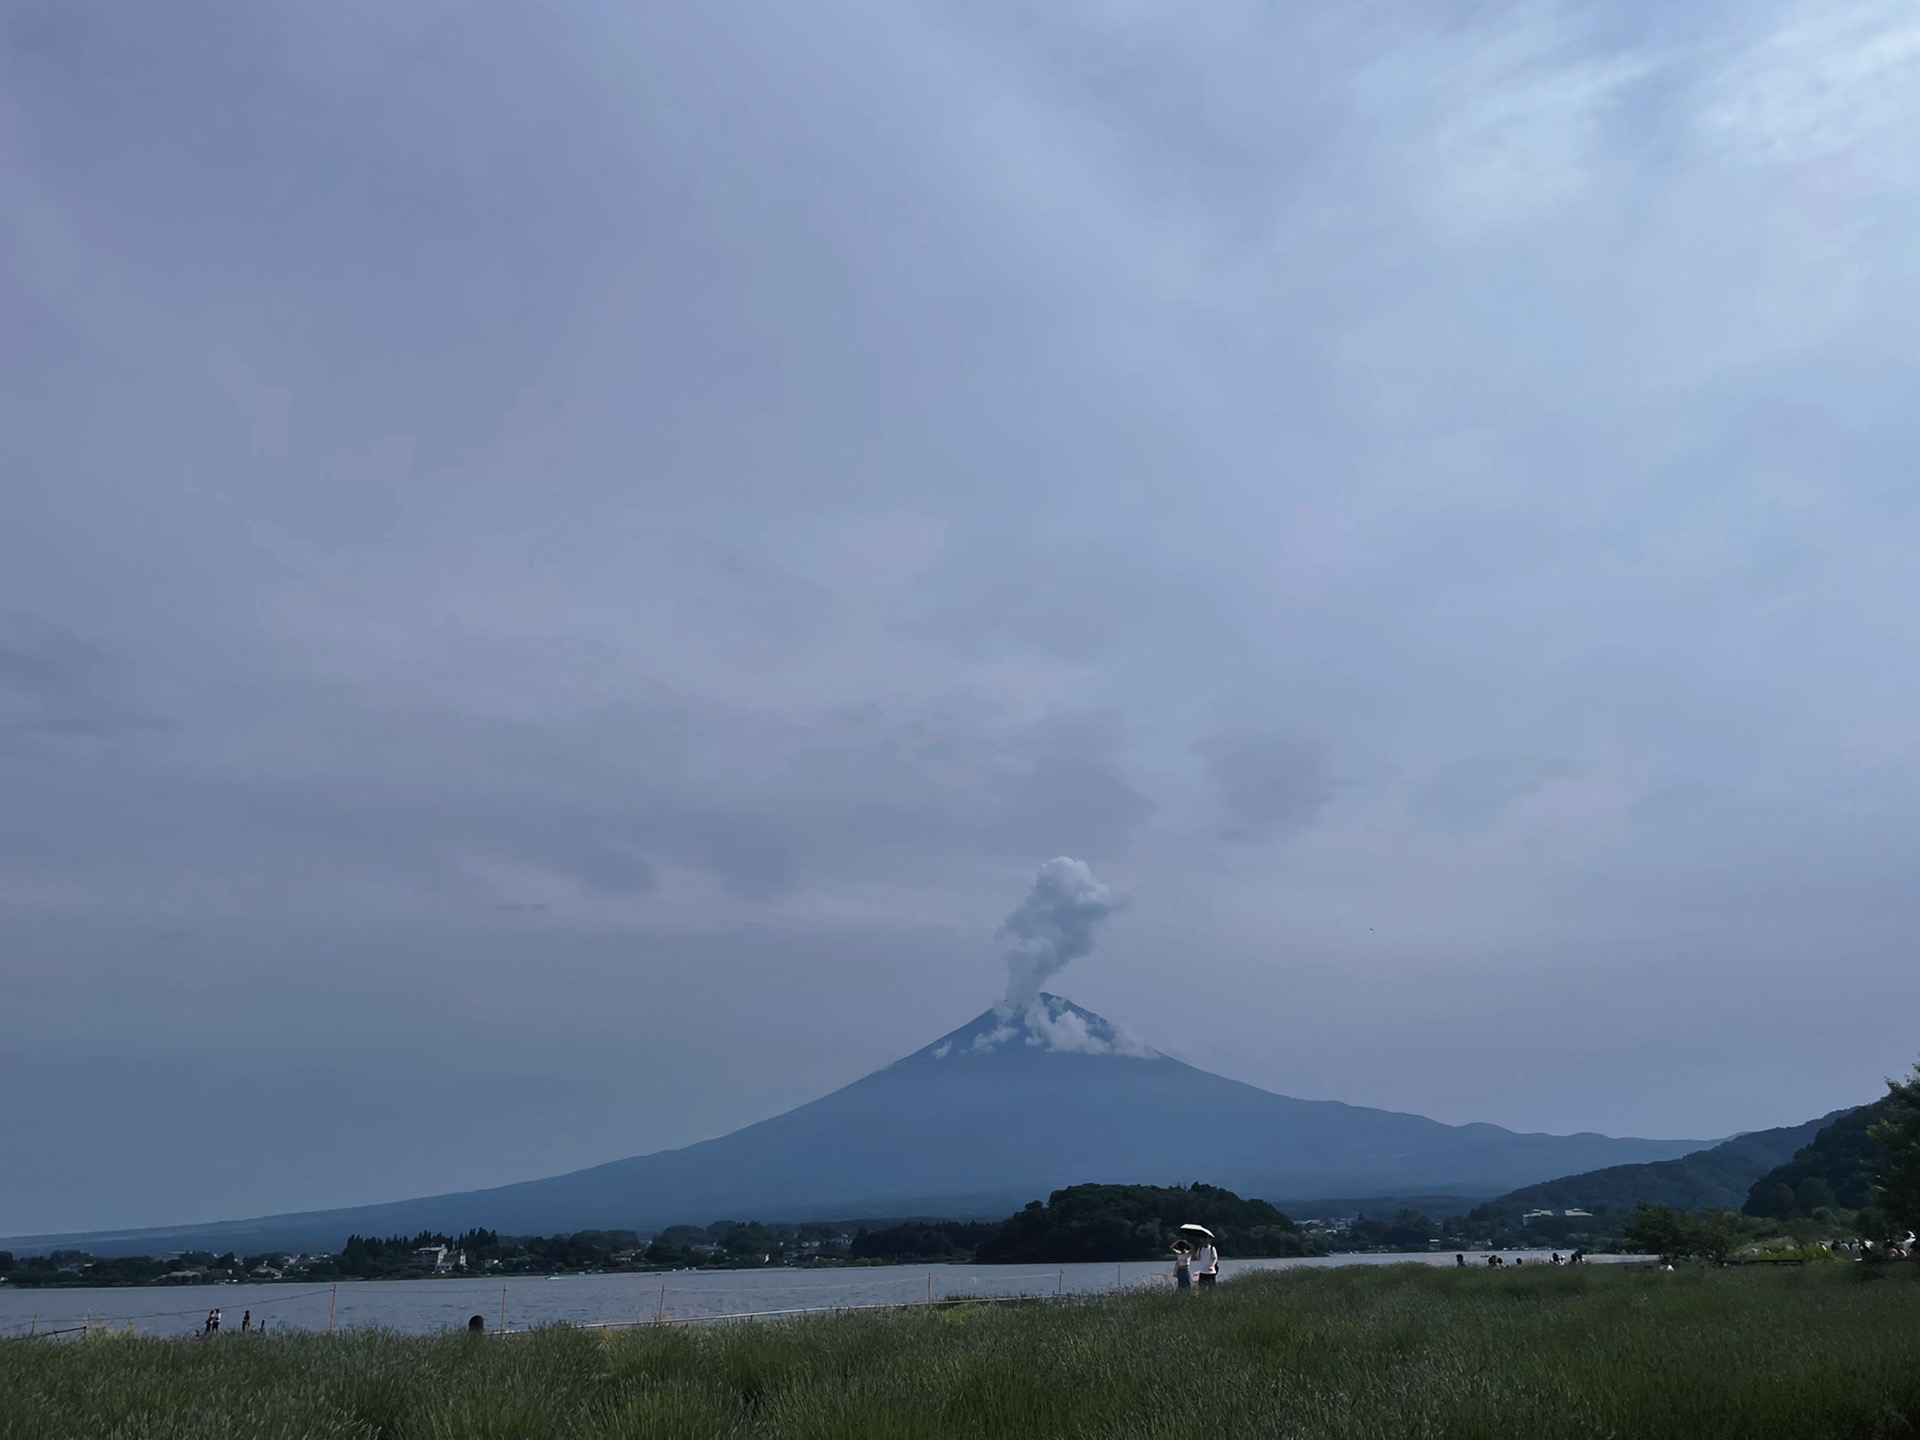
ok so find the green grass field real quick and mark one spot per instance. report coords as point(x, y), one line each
point(1828, 1350)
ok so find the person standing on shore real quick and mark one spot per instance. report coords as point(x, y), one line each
point(1182, 1265)
point(1206, 1264)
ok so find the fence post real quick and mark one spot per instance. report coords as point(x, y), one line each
point(332, 1299)
point(929, 1287)
point(660, 1316)
point(1060, 1284)
point(503, 1309)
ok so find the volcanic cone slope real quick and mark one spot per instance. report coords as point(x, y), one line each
point(1002, 1110)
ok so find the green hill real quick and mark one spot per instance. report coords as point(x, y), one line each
point(1137, 1222)
point(1718, 1176)
point(1829, 1171)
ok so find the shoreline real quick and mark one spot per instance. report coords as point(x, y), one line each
point(956, 1261)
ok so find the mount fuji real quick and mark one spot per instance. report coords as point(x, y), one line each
point(1017, 1102)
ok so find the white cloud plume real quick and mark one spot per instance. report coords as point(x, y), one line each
point(1053, 926)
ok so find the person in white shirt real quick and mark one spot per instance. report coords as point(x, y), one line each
point(1206, 1264)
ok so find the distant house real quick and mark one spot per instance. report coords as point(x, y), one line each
point(440, 1259)
point(1536, 1215)
point(1578, 1214)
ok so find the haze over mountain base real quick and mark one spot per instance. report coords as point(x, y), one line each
point(1021, 1100)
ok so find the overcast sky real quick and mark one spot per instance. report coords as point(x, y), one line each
point(562, 566)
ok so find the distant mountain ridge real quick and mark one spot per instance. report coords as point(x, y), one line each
point(1013, 1105)
point(1718, 1176)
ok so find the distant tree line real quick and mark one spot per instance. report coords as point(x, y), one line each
point(1084, 1222)
point(920, 1240)
point(77, 1267)
point(734, 1244)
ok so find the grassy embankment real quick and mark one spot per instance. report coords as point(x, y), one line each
point(1830, 1350)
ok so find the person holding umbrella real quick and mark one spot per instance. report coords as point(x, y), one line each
point(1206, 1257)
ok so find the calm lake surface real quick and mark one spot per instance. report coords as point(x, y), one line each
point(424, 1306)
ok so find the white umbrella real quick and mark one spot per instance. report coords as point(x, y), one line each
point(1196, 1230)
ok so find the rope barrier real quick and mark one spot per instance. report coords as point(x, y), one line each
point(100, 1319)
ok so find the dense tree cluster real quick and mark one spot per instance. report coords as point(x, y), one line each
point(1407, 1230)
point(1679, 1235)
point(368, 1257)
point(921, 1240)
point(1138, 1222)
point(1896, 1166)
point(735, 1243)
point(1833, 1172)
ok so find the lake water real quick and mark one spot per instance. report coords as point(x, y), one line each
point(424, 1306)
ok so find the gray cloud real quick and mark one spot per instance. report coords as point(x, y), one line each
point(1269, 785)
point(609, 866)
point(655, 483)
point(55, 684)
point(1471, 793)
